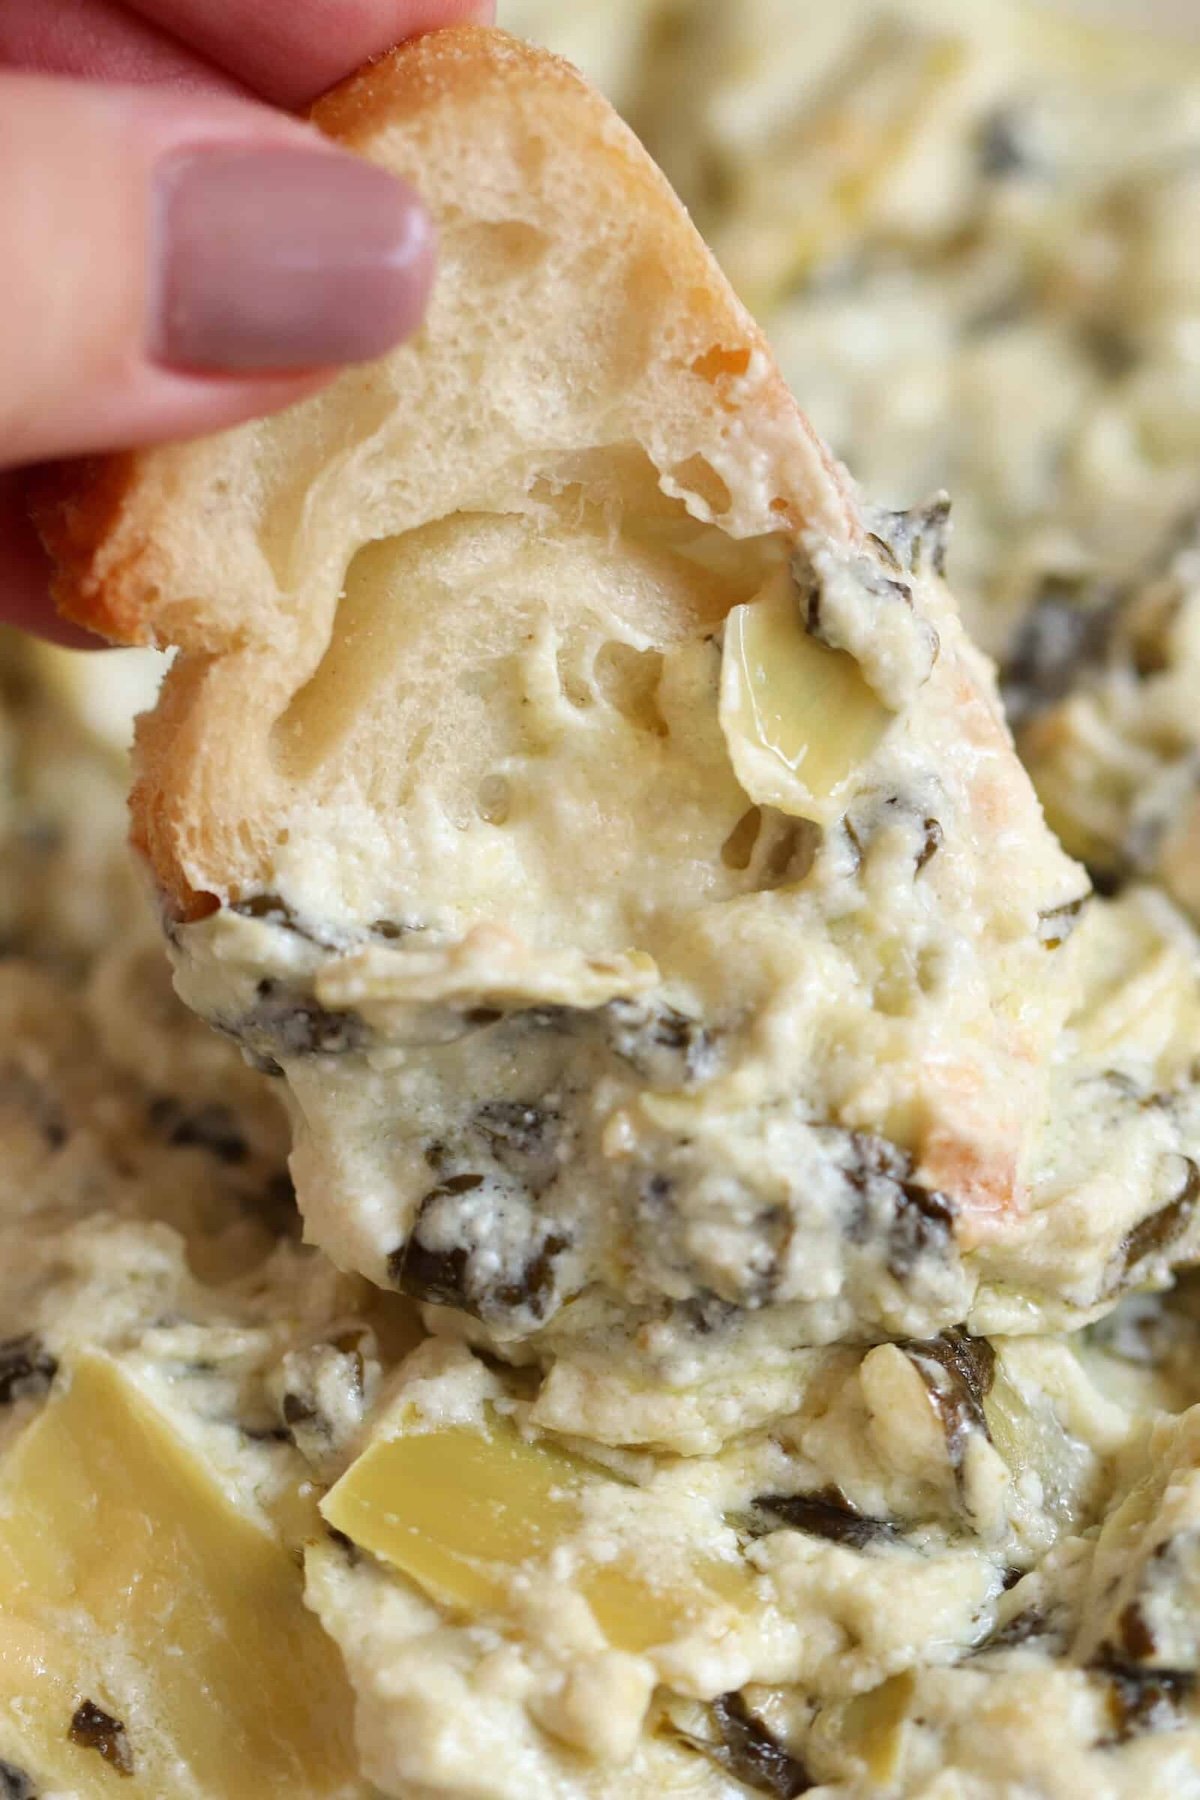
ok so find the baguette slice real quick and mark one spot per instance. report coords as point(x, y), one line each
point(594, 811)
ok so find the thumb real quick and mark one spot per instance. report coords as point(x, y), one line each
point(174, 263)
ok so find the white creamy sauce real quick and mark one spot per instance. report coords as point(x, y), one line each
point(768, 1250)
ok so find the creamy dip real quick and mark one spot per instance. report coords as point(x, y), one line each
point(756, 1373)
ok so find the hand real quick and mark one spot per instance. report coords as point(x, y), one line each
point(178, 255)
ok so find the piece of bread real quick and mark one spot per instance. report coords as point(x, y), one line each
point(611, 41)
point(592, 808)
point(238, 549)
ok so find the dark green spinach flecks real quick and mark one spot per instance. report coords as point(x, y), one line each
point(863, 823)
point(392, 929)
point(958, 1371)
point(516, 1125)
point(94, 1729)
point(533, 1290)
point(754, 1282)
point(276, 911)
point(275, 1205)
point(453, 1277)
point(15, 1784)
point(745, 1749)
point(872, 579)
point(1058, 922)
point(916, 540)
point(267, 906)
point(912, 1222)
point(827, 1514)
point(1136, 1637)
point(1066, 632)
point(437, 1276)
point(213, 1128)
point(523, 1136)
point(1145, 1699)
point(1003, 148)
point(930, 844)
point(305, 1415)
point(869, 1158)
point(707, 1313)
point(1161, 1230)
point(266, 1434)
point(1022, 1628)
point(298, 1025)
point(659, 1041)
point(923, 1226)
point(26, 1369)
point(347, 1546)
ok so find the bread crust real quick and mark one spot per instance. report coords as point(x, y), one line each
point(75, 506)
point(113, 525)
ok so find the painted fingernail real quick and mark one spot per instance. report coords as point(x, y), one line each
point(273, 258)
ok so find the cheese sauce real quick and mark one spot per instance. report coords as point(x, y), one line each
point(772, 1372)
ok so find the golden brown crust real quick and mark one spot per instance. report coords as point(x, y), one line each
point(75, 506)
point(462, 60)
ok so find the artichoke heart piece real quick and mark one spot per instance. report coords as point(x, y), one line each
point(472, 1516)
point(799, 718)
point(872, 1725)
point(134, 1592)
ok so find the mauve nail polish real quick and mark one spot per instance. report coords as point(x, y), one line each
point(273, 258)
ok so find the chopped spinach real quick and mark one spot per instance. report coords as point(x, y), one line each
point(465, 1275)
point(26, 1368)
point(213, 1128)
point(931, 843)
point(1002, 145)
point(707, 1312)
point(1058, 922)
point(276, 911)
point(1022, 1628)
point(912, 1221)
point(1161, 1230)
point(94, 1729)
point(923, 1226)
point(659, 1041)
point(15, 1784)
point(1145, 1699)
point(828, 1515)
point(871, 578)
point(523, 1136)
point(1137, 1639)
point(914, 540)
point(297, 1025)
point(747, 1750)
point(1066, 631)
point(514, 1125)
point(958, 1371)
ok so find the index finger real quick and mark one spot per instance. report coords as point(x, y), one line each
point(101, 40)
point(292, 50)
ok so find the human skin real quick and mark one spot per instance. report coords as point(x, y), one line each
point(180, 253)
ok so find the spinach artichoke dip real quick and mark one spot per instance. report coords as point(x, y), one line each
point(760, 1360)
